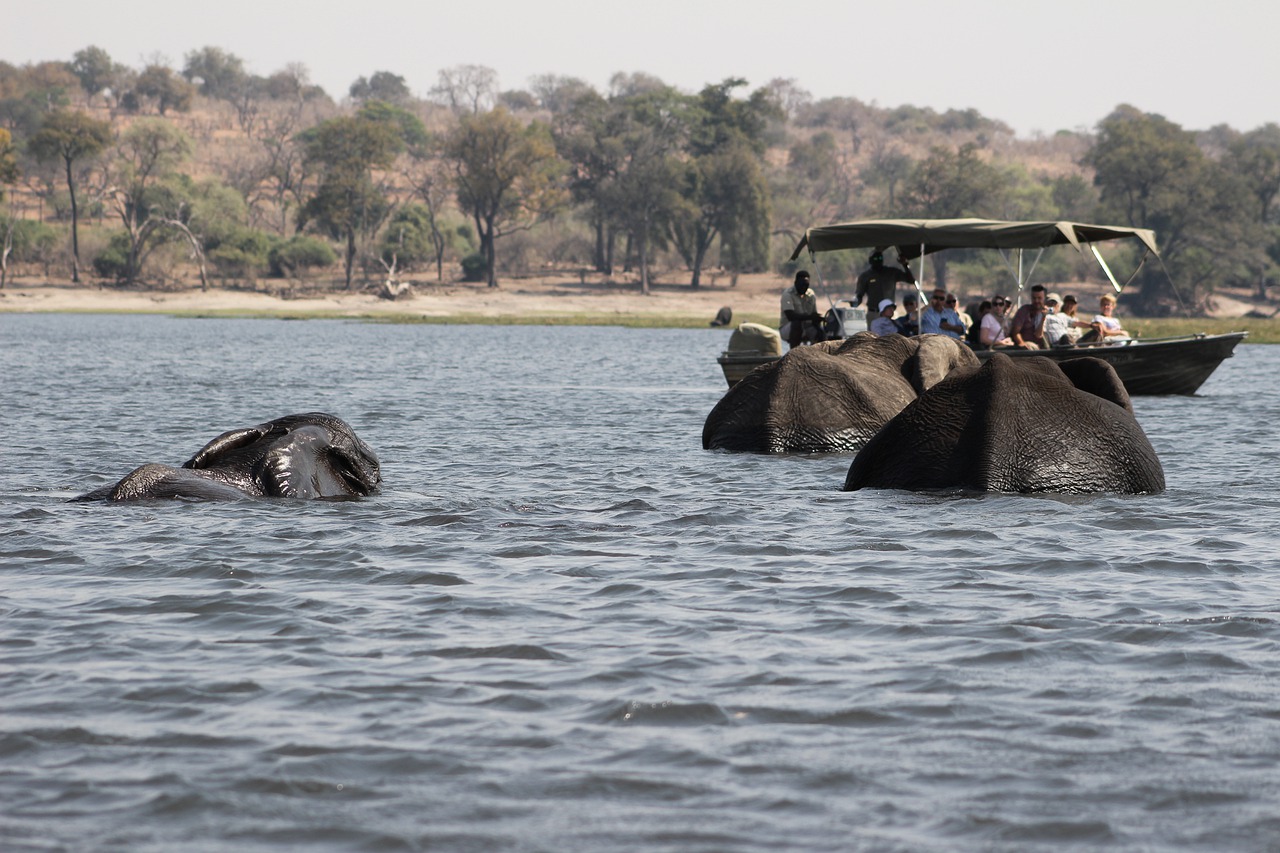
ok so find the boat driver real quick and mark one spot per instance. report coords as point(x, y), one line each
point(879, 282)
point(800, 318)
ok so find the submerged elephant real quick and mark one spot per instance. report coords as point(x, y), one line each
point(1025, 425)
point(830, 397)
point(311, 455)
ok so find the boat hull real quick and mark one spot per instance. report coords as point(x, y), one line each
point(1163, 366)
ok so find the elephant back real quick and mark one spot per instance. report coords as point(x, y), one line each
point(812, 400)
point(1012, 426)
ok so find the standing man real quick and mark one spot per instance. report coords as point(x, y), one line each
point(940, 318)
point(800, 318)
point(879, 282)
point(1027, 328)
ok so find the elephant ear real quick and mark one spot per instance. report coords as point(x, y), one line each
point(935, 357)
point(1099, 378)
point(210, 455)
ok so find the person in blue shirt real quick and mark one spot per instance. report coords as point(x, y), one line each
point(909, 323)
point(939, 319)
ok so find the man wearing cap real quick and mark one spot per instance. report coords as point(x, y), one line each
point(800, 317)
point(883, 323)
point(880, 282)
point(939, 318)
point(1027, 328)
point(909, 323)
point(1061, 328)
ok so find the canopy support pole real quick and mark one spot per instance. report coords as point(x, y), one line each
point(1106, 269)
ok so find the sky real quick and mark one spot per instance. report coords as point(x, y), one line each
point(1037, 66)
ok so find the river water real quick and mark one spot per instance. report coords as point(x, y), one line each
point(564, 626)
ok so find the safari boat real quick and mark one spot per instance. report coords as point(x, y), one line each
point(1174, 365)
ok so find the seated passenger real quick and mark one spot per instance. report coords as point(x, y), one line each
point(993, 330)
point(909, 323)
point(884, 324)
point(975, 328)
point(939, 318)
point(1106, 328)
point(1061, 327)
point(801, 322)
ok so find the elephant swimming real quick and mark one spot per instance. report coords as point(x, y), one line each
point(830, 397)
point(310, 455)
point(1027, 425)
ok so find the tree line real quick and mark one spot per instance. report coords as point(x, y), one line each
point(240, 177)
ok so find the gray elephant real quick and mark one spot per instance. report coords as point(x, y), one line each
point(830, 397)
point(1024, 425)
point(310, 455)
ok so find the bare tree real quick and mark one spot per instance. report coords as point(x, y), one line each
point(467, 89)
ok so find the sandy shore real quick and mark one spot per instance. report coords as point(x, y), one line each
point(528, 298)
point(754, 297)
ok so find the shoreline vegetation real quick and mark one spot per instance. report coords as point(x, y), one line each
point(550, 301)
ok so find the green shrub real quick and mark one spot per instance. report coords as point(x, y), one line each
point(33, 241)
point(473, 267)
point(113, 261)
point(243, 253)
point(300, 252)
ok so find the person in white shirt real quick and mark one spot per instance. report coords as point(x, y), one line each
point(883, 324)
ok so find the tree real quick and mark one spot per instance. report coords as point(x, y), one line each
point(949, 184)
point(382, 86)
point(94, 69)
point(467, 89)
point(588, 136)
point(1151, 174)
point(69, 137)
point(558, 94)
point(641, 197)
point(723, 186)
point(147, 157)
point(1255, 158)
point(168, 90)
point(8, 160)
point(507, 177)
point(348, 203)
point(217, 73)
point(427, 172)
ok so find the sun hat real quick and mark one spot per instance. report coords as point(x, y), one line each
point(1054, 298)
point(885, 303)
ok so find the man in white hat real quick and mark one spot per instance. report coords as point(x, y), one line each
point(883, 324)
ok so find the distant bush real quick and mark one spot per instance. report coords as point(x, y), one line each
point(473, 268)
point(113, 261)
point(300, 252)
point(243, 253)
point(33, 242)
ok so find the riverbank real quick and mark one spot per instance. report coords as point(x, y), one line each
point(534, 301)
point(531, 301)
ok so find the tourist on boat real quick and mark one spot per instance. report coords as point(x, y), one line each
point(879, 282)
point(965, 320)
point(883, 323)
point(801, 321)
point(1027, 328)
point(909, 323)
point(940, 318)
point(973, 336)
point(1061, 327)
point(1105, 324)
point(994, 332)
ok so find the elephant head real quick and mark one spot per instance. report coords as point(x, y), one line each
point(830, 397)
point(1025, 425)
point(311, 455)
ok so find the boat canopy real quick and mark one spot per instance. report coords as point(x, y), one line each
point(912, 237)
